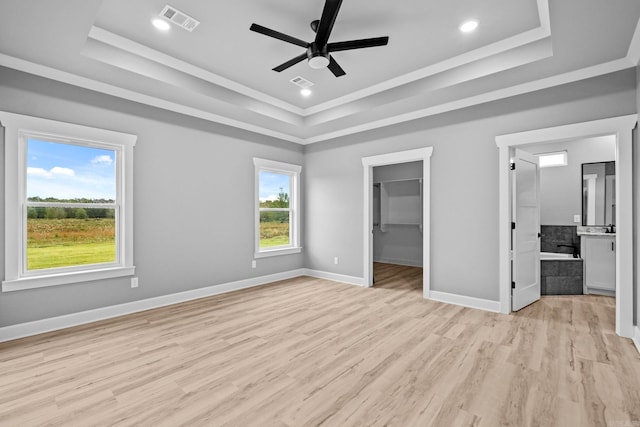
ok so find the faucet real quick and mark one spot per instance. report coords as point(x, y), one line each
point(575, 248)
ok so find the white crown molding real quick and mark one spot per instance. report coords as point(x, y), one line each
point(95, 85)
point(107, 37)
point(557, 80)
point(633, 54)
point(501, 46)
point(630, 60)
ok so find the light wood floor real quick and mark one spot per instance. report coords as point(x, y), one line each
point(307, 352)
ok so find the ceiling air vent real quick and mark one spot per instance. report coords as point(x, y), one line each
point(180, 19)
point(302, 82)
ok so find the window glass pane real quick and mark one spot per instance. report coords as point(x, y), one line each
point(65, 237)
point(275, 189)
point(67, 172)
point(547, 160)
point(274, 229)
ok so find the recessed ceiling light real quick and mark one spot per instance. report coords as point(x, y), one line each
point(468, 26)
point(305, 92)
point(161, 24)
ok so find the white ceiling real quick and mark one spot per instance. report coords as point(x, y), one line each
point(222, 71)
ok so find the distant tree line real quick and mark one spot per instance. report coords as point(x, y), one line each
point(281, 202)
point(62, 213)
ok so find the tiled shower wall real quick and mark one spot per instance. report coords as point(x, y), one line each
point(554, 235)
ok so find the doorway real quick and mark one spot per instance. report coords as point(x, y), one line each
point(423, 155)
point(621, 128)
point(397, 214)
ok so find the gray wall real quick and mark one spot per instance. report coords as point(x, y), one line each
point(399, 244)
point(464, 175)
point(561, 187)
point(193, 192)
point(193, 207)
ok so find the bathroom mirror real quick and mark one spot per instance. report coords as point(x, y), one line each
point(599, 193)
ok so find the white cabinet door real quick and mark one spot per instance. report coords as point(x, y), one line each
point(600, 262)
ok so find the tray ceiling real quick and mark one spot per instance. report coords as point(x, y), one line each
point(221, 71)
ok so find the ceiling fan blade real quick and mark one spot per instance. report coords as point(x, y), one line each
point(278, 35)
point(290, 62)
point(335, 68)
point(357, 44)
point(329, 14)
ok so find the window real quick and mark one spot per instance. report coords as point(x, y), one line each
point(277, 213)
point(548, 160)
point(68, 203)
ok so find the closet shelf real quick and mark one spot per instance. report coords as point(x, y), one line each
point(400, 203)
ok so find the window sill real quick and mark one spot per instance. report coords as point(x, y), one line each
point(277, 252)
point(65, 278)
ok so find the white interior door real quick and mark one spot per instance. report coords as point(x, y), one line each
point(525, 274)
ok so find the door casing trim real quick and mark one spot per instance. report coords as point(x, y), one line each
point(368, 163)
point(621, 127)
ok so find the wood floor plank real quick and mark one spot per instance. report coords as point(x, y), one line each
point(308, 351)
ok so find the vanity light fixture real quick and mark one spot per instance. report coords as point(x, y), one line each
point(549, 160)
point(468, 26)
point(161, 24)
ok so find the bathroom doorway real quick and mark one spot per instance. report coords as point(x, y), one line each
point(418, 220)
point(577, 194)
point(621, 129)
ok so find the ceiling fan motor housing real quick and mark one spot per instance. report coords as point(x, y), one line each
point(318, 58)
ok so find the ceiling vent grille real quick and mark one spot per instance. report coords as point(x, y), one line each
point(302, 82)
point(179, 18)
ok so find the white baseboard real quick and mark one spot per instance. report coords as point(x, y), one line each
point(471, 302)
point(636, 337)
point(22, 330)
point(408, 262)
point(351, 280)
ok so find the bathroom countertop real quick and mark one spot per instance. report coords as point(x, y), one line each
point(593, 230)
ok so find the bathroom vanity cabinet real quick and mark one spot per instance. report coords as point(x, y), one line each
point(599, 254)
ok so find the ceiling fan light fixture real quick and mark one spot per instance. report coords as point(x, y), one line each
point(468, 26)
point(318, 62)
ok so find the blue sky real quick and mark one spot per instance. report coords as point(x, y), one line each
point(271, 183)
point(67, 171)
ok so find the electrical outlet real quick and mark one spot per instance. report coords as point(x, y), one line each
point(577, 219)
point(134, 282)
point(335, 260)
point(253, 264)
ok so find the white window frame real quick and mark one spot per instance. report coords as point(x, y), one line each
point(17, 128)
point(294, 206)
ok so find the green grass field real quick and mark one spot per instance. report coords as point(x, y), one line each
point(274, 234)
point(53, 243)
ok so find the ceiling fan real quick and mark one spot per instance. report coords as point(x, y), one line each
point(318, 52)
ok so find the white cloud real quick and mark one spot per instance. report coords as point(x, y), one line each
point(272, 198)
point(57, 170)
point(49, 174)
point(38, 172)
point(104, 160)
